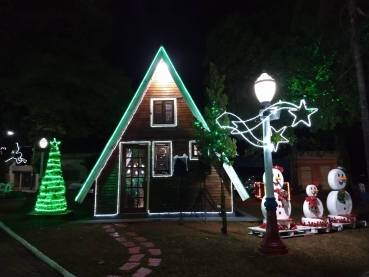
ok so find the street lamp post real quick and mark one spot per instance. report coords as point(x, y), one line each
point(271, 243)
point(43, 144)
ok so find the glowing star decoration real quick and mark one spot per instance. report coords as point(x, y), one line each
point(245, 128)
point(51, 198)
point(279, 133)
point(17, 155)
point(303, 112)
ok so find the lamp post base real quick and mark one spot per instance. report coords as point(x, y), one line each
point(272, 243)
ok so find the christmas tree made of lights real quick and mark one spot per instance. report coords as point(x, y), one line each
point(51, 198)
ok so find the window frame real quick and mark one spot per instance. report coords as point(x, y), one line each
point(170, 158)
point(120, 171)
point(192, 156)
point(174, 124)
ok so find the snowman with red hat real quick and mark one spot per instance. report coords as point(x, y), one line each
point(313, 208)
point(280, 194)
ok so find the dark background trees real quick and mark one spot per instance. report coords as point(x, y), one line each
point(54, 79)
point(61, 70)
point(305, 46)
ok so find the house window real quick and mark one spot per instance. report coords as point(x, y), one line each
point(193, 150)
point(162, 159)
point(163, 112)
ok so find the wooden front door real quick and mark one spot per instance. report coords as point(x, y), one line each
point(134, 178)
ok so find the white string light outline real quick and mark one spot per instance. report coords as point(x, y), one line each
point(19, 159)
point(274, 108)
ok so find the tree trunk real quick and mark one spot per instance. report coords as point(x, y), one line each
point(343, 157)
point(223, 208)
point(294, 170)
point(360, 81)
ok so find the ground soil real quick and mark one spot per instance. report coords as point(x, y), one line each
point(193, 248)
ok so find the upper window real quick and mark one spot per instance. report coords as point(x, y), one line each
point(163, 112)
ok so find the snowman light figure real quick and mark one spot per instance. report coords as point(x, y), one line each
point(339, 201)
point(313, 207)
point(281, 195)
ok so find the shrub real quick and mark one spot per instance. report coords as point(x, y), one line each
point(12, 194)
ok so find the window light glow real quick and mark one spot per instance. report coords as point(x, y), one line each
point(190, 151)
point(148, 144)
point(170, 167)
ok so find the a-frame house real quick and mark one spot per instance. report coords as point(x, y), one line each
point(150, 166)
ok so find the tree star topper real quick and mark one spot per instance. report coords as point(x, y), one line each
point(55, 142)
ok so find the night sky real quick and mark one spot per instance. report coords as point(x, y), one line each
point(142, 26)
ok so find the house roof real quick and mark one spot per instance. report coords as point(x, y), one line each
point(129, 113)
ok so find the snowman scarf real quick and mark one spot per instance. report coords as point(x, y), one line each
point(313, 205)
point(341, 196)
point(282, 196)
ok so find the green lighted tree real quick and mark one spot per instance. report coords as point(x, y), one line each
point(214, 144)
point(51, 198)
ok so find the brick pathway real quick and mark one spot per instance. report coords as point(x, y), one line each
point(138, 247)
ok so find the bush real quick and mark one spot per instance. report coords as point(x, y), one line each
point(12, 194)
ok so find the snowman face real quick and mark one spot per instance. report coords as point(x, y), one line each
point(337, 179)
point(311, 190)
point(278, 180)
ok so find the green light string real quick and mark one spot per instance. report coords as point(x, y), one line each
point(51, 198)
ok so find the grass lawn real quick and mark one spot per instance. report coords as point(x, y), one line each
point(191, 248)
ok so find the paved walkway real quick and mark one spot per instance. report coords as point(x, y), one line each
point(144, 255)
point(18, 261)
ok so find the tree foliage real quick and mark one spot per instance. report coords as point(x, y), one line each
point(305, 47)
point(214, 141)
point(305, 52)
point(215, 144)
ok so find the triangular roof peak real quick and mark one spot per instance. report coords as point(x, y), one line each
point(161, 55)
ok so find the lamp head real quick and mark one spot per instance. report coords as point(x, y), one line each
point(265, 89)
point(43, 143)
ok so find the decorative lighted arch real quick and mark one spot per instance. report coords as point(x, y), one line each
point(245, 129)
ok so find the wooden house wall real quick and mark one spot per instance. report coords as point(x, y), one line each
point(107, 186)
point(166, 194)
